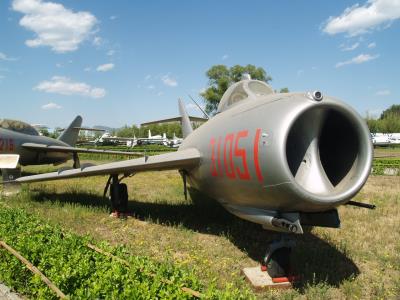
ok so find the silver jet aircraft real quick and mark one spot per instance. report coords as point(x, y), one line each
point(280, 160)
point(21, 144)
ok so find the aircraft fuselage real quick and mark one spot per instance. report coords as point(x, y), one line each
point(11, 143)
point(274, 153)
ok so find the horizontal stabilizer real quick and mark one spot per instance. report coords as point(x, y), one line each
point(9, 161)
point(185, 159)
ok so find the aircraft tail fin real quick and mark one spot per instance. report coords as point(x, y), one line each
point(186, 125)
point(70, 134)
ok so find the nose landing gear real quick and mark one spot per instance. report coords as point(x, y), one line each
point(277, 259)
point(275, 270)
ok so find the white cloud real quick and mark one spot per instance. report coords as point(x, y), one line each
point(51, 105)
point(358, 19)
point(110, 52)
point(97, 41)
point(225, 57)
point(112, 18)
point(300, 72)
point(160, 94)
point(87, 69)
point(65, 86)
point(147, 77)
point(371, 45)
point(383, 93)
point(349, 48)
point(6, 57)
point(169, 81)
point(362, 58)
point(105, 67)
point(54, 26)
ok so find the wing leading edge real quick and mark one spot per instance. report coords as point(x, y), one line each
point(184, 159)
point(47, 148)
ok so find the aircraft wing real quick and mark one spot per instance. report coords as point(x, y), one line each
point(49, 148)
point(183, 159)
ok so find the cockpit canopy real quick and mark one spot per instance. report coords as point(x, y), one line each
point(18, 126)
point(243, 90)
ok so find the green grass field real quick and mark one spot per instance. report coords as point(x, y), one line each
point(361, 260)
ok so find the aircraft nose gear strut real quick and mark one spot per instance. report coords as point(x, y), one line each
point(277, 260)
point(118, 196)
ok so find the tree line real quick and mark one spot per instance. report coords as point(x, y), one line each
point(388, 121)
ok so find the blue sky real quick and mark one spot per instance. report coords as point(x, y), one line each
point(126, 62)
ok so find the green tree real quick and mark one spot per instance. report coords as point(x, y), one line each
point(220, 77)
point(373, 124)
point(284, 90)
point(56, 133)
point(388, 122)
point(127, 131)
point(393, 110)
point(159, 129)
point(44, 132)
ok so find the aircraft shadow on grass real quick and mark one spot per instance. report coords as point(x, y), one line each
point(314, 259)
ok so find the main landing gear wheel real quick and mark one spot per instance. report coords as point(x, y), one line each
point(118, 196)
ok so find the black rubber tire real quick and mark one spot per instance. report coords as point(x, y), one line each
point(119, 197)
point(279, 264)
point(123, 194)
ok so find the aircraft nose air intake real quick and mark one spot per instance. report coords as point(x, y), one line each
point(328, 152)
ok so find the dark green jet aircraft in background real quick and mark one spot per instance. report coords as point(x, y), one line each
point(21, 145)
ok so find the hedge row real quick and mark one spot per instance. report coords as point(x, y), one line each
point(82, 273)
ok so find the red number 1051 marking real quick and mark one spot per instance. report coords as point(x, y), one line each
point(231, 148)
